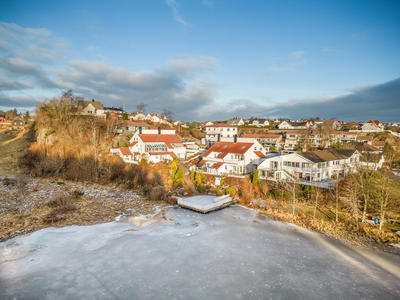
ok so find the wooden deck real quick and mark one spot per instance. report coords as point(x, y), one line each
point(205, 204)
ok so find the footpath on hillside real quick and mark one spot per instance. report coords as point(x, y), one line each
point(187, 179)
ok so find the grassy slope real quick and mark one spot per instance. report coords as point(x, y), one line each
point(13, 144)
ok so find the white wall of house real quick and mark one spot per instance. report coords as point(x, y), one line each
point(213, 132)
point(235, 163)
point(177, 148)
point(289, 166)
point(285, 125)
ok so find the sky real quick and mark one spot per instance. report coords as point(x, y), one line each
point(206, 59)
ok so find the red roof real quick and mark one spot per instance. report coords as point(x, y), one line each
point(168, 139)
point(221, 125)
point(378, 143)
point(155, 115)
point(330, 123)
point(376, 122)
point(218, 165)
point(228, 147)
point(259, 154)
point(132, 144)
point(160, 153)
point(125, 151)
point(365, 138)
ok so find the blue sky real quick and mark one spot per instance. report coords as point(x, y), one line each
point(207, 60)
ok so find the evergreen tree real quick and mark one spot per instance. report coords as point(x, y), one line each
point(256, 180)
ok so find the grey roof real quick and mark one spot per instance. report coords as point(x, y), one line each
point(327, 155)
point(370, 157)
point(260, 121)
point(96, 105)
point(233, 121)
point(2, 116)
point(296, 124)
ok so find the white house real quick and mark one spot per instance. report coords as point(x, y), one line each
point(371, 126)
point(372, 161)
point(182, 124)
point(258, 122)
point(331, 124)
point(310, 167)
point(215, 132)
point(138, 116)
point(154, 146)
point(156, 118)
point(202, 127)
point(93, 108)
point(236, 122)
point(294, 125)
point(365, 139)
point(231, 156)
point(266, 140)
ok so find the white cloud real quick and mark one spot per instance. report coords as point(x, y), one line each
point(208, 2)
point(299, 63)
point(175, 12)
point(328, 49)
point(296, 55)
point(275, 69)
point(35, 45)
point(362, 35)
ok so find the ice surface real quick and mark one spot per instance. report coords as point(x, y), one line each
point(226, 254)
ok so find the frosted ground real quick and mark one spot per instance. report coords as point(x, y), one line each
point(228, 254)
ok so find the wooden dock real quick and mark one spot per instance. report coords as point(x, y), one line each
point(205, 204)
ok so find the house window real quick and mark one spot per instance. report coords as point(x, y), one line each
point(232, 156)
point(228, 129)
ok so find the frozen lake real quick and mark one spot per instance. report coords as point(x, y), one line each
point(226, 254)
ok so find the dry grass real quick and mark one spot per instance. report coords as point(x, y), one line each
point(13, 144)
point(345, 230)
point(51, 204)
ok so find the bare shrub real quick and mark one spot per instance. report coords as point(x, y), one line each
point(77, 194)
point(9, 181)
point(62, 204)
point(156, 193)
point(54, 216)
point(22, 190)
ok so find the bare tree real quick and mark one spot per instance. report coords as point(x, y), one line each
point(167, 113)
point(351, 191)
point(141, 107)
point(387, 189)
point(316, 200)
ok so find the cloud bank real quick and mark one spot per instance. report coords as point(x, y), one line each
point(34, 64)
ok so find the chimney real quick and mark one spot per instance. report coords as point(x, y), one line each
point(92, 100)
point(235, 138)
point(159, 130)
point(140, 130)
